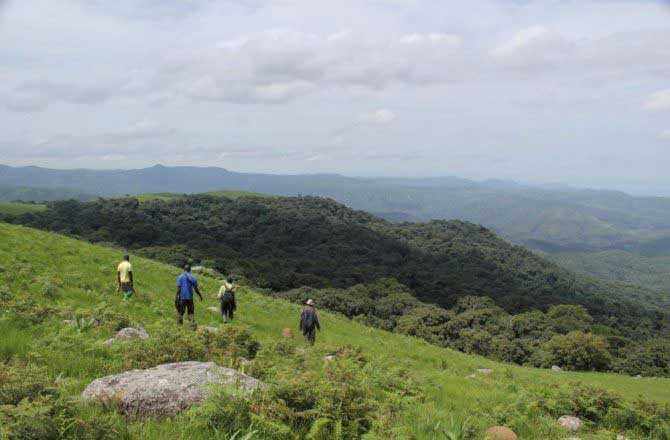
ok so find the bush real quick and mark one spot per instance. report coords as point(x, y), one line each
point(604, 409)
point(30, 311)
point(19, 382)
point(48, 417)
point(651, 358)
point(30, 420)
point(578, 351)
point(175, 344)
point(224, 410)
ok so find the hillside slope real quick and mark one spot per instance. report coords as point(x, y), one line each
point(284, 243)
point(75, 278)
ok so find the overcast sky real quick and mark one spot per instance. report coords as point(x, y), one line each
point(573, 91)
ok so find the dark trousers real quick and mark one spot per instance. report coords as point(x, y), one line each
point(310, 335)
point(184, 305)
point(227, 310)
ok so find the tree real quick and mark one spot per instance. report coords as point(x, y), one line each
point(579, 351)
point(566, 318)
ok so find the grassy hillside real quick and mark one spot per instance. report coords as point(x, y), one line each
point(17, 208)
point(74, 277)
point(9, 193)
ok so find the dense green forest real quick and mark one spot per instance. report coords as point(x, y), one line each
point(618, 265)
point(575, 225)
point(287, 243)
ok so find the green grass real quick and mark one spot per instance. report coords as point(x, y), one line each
point(17, 208)
point(84, 277)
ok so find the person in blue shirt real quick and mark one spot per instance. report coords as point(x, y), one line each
point(186, 284)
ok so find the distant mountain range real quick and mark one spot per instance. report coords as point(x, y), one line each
point(552, 218)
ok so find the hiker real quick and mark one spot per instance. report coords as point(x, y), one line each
point(309, 322)
point(124, 278)
point(186, 284)
point(227, 297)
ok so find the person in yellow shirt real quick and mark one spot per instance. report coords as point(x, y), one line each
point(124, 278)
point(227, 298)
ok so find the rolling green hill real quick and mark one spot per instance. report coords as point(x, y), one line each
point(18, 208)
point(652, 272)
point(10, 193)
point(47, 278)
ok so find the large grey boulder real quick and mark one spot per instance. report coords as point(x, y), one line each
point(167, 389)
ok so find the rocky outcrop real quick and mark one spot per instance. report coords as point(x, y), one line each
point(167, 389)
point(556, 369)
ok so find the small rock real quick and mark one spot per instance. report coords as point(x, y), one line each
point(471, 376)
point(571, 423)
point(167, 389)
point(287, 333)
point(211, 329)
point(109, 342)
point(131, 333)
point(500, 433)
point(556, 368)
point(486, 371)
point(244, 362)
point(329, 358)
point(69, 321)
point(638, 377)
point(213, 309)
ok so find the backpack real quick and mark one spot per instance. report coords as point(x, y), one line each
point(308, 319)
point(227, 298)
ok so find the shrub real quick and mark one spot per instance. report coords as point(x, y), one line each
point(30, 311)
point(19, 382)
point(578, 351)
point(175, 344)
point(651, 358)
point(29, 420)
point(224, 410)
point(48, 417)
point(603, 409)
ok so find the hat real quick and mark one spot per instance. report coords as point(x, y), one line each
point(309, 302)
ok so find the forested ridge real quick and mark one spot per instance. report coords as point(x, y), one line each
point(285, 243)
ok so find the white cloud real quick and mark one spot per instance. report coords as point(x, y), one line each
point(279, 65)
point(665, 135)
point(536, 46)
point(658, 101)
point(381, 116)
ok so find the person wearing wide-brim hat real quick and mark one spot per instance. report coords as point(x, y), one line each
point(309, 322)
